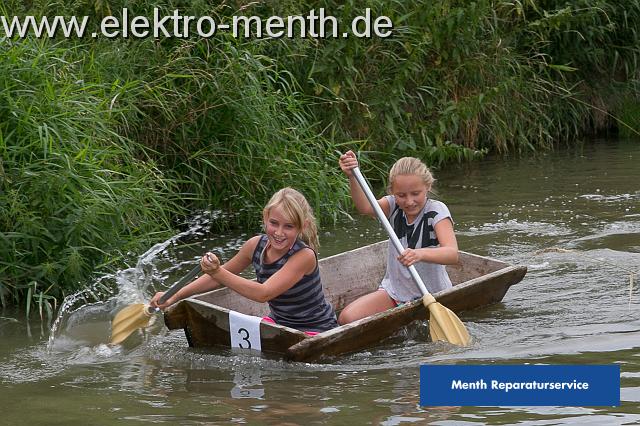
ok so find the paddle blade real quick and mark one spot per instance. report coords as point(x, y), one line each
point(128, 320)
point(446, 326)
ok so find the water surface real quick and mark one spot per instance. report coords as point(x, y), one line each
point(571, 216)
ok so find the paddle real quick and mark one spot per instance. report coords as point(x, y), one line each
point(443, 323)
point(138, 315)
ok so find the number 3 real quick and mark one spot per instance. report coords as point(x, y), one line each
point(245, 337)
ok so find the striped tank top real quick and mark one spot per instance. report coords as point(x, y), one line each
point(303, 306)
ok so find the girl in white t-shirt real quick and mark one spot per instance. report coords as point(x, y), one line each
point(424, 227)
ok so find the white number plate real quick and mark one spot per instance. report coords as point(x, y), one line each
point(244, 331)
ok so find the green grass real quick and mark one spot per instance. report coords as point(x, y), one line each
point(107, 146)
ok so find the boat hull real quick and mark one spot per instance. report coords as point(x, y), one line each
point(478, 281)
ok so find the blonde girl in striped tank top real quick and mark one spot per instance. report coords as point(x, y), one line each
point(286, 266)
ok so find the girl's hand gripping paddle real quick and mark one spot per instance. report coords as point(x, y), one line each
point(136, 316)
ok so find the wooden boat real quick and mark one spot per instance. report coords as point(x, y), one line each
point(478, 281)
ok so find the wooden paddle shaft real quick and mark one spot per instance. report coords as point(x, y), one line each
point(387, 226)
point(177, 286)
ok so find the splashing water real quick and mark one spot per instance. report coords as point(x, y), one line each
point(84, 318)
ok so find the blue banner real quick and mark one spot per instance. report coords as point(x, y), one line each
point(509, 385)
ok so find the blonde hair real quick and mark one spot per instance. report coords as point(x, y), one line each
point(410, 166)
point(297, 209)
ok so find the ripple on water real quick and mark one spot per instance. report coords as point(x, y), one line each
point(614, 198)
point(528, 228)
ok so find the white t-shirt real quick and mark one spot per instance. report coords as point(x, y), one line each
point(397, 280)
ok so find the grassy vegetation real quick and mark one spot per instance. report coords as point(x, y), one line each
point(107, 145)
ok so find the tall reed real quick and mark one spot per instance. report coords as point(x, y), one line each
point(106, 145)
